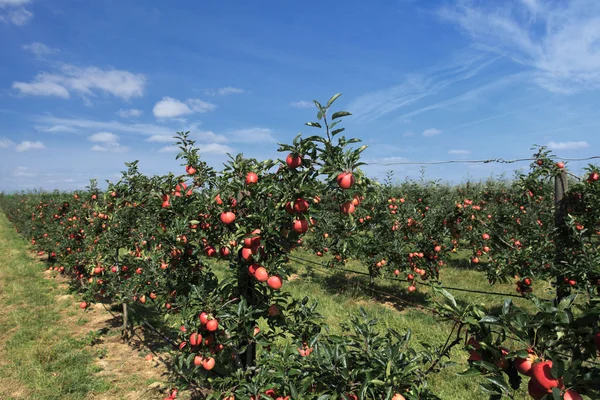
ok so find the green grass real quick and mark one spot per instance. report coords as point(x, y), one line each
point(39, 359)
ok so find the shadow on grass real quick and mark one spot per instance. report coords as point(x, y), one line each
point(359, 286)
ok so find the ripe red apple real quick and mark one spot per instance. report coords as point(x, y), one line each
point(275, 282)
point(345, 180)
point(261, 274)
point(300, 225)
point(570, 394)
point(203, 317)
point(246, 254)
point(198, 360)
point(224, 252)
point(83, 305)
point(212, 325)
point(293, 161)
point(227, 217)
point(560, 164)
point(535, 390)
point(208, 363)
point(252, 269)
point(190, 170)
point(594, 176)
point(300, 205)
point(273, 310)
point(542, 373)
point(251, 178)
point(398, 396)
point(485, 236)
point(474, 355)
point(347, 208)
point(412, 288)
point(210, 251)
point(524, 365)
point(195, 339)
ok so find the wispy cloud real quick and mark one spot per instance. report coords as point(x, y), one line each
point(56, 124)
point(86, 82)
point(39, 49)
point(131, 113)
point(557, 40)
point(27, 145)
point(459, 152)
point(252, 135)
point(224, 91)
point(24, 172)
point(5, 143)
point(408, 134)
point(431, 132)
point(568, 145)
point(13, 11)
point(302, 104)
point(210, 148)
point(169, 107)
point(469, 95)
point(418, 86)
point(201, 136)
point(107, 141)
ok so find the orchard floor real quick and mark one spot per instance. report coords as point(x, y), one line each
point(50, 349)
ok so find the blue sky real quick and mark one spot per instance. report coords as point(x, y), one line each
point(87, 86)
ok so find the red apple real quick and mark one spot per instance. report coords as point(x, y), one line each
point(251, 178)
point(293, 161)
point(345, 180)
point(275, 282)
point(542, 374)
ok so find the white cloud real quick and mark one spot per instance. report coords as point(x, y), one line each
point(11, 11)
point(419, 85)
point(568, 145)
point(205, 136)
point(85, 82)
point(5, 143)
point(63, 124)
point(104, 137)
point(459, 152)
point(23, 172)
point(109, 142)
point(252, 135)
point(42, 86)
point(431, 132)
point(224, 91)
point(57, 128)
point(169, 107)
point(27, 145)
point(200, 106)
point(302, 104)
point(129, 113)
point(211, 148)
point(39, 49)
point(556, 40)
point(13, 3)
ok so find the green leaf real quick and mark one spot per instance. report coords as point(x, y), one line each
point(313, 124)
point(558, 368)
point(340, 114)
point(489, 319)
point(332, 99)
